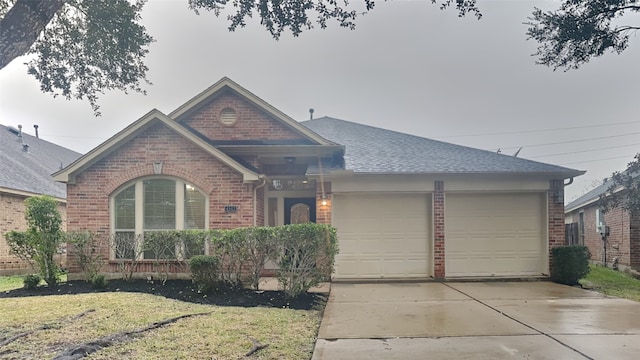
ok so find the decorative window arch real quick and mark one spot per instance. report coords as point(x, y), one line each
point(151, 204)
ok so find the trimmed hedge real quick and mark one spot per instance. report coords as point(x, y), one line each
point(205, 272)
point(569, 264)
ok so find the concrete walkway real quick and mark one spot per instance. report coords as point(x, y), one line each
point(491, 320)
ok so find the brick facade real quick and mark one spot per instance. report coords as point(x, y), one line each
point(623, 241)
point(88, 198)
point(555, 212)
point(12, 218)
point(252, 123)
point(89, 194)
point(438, 230)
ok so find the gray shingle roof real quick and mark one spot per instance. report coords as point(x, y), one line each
point(31, 170)
point(375, 150)
point(592, 194)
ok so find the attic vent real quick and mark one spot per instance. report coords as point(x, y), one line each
point(13, 130)
point(228, 117)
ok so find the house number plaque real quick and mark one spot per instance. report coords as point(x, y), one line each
point(231, 208)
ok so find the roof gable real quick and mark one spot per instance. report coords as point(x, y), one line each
point(29, 172)
point(68, 174)
point(225, 87)
point(378, 151)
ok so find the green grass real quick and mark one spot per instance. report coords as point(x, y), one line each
point(16, 281)
point(226, 333)
point(611, 282)
point(11, 282)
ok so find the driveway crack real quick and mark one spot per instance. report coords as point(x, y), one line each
point(520, 322)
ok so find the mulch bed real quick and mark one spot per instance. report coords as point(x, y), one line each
point(183, 290)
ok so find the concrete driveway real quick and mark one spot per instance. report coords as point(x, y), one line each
point(478, 320)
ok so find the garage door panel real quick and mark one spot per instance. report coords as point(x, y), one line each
point(494, 234)
point(403, 267)
point(382, 235)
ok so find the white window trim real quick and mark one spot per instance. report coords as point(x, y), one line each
point(139, 211)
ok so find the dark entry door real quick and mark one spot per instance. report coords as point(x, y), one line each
point(299, 210)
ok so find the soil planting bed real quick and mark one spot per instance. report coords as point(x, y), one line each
point(183, 290)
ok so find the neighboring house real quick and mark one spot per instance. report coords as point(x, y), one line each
point(26, 165)
point(623, 243)
point(404, 206)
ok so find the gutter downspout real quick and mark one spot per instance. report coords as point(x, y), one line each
point(570, 181)
point(255, 199)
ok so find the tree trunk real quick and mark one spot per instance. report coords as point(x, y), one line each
point(22, 25)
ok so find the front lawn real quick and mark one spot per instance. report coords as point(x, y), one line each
point(39, 325)
point(10, 282)
point(611, 282)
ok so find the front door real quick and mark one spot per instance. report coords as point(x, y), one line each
point(299, 210)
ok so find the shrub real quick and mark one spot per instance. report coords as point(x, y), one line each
point(32, 281)
point(43, 237)
point(127, 253)
point(261, 246)
point(85, 250)
point(307, 256)
point(205, 272)
point(230, 246)
point(569, 264)
point(98, 281)
point(161, 246)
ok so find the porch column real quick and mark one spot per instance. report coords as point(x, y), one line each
point(438, 230)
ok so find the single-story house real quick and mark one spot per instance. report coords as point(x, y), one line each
point(404, 206)
point(582, 217)
point(26, 165)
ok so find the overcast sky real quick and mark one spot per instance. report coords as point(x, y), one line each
point(407, 67)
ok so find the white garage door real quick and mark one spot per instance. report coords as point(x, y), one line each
point(382, 236)
point(494, 234)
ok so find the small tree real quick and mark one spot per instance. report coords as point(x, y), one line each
point(43, 237)
point(161, 247)
point(86, 250)
point(261, 247)
point(230, 247)
point(624, 190)
point(127, 251)
point(307, 257)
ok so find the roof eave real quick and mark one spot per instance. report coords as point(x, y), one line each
point(549, 175)
point(68, 174)
point(300, 150)
point(28, 194)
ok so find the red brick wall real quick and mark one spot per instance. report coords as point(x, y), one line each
point(252, 123)
point(556, 214)
point(88, 199)
point(438, 230)
point(260, 205)
point(634, 241)
point(619, 240)
point(12, 218)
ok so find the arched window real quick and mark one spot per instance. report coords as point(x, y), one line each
point(154, 204)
